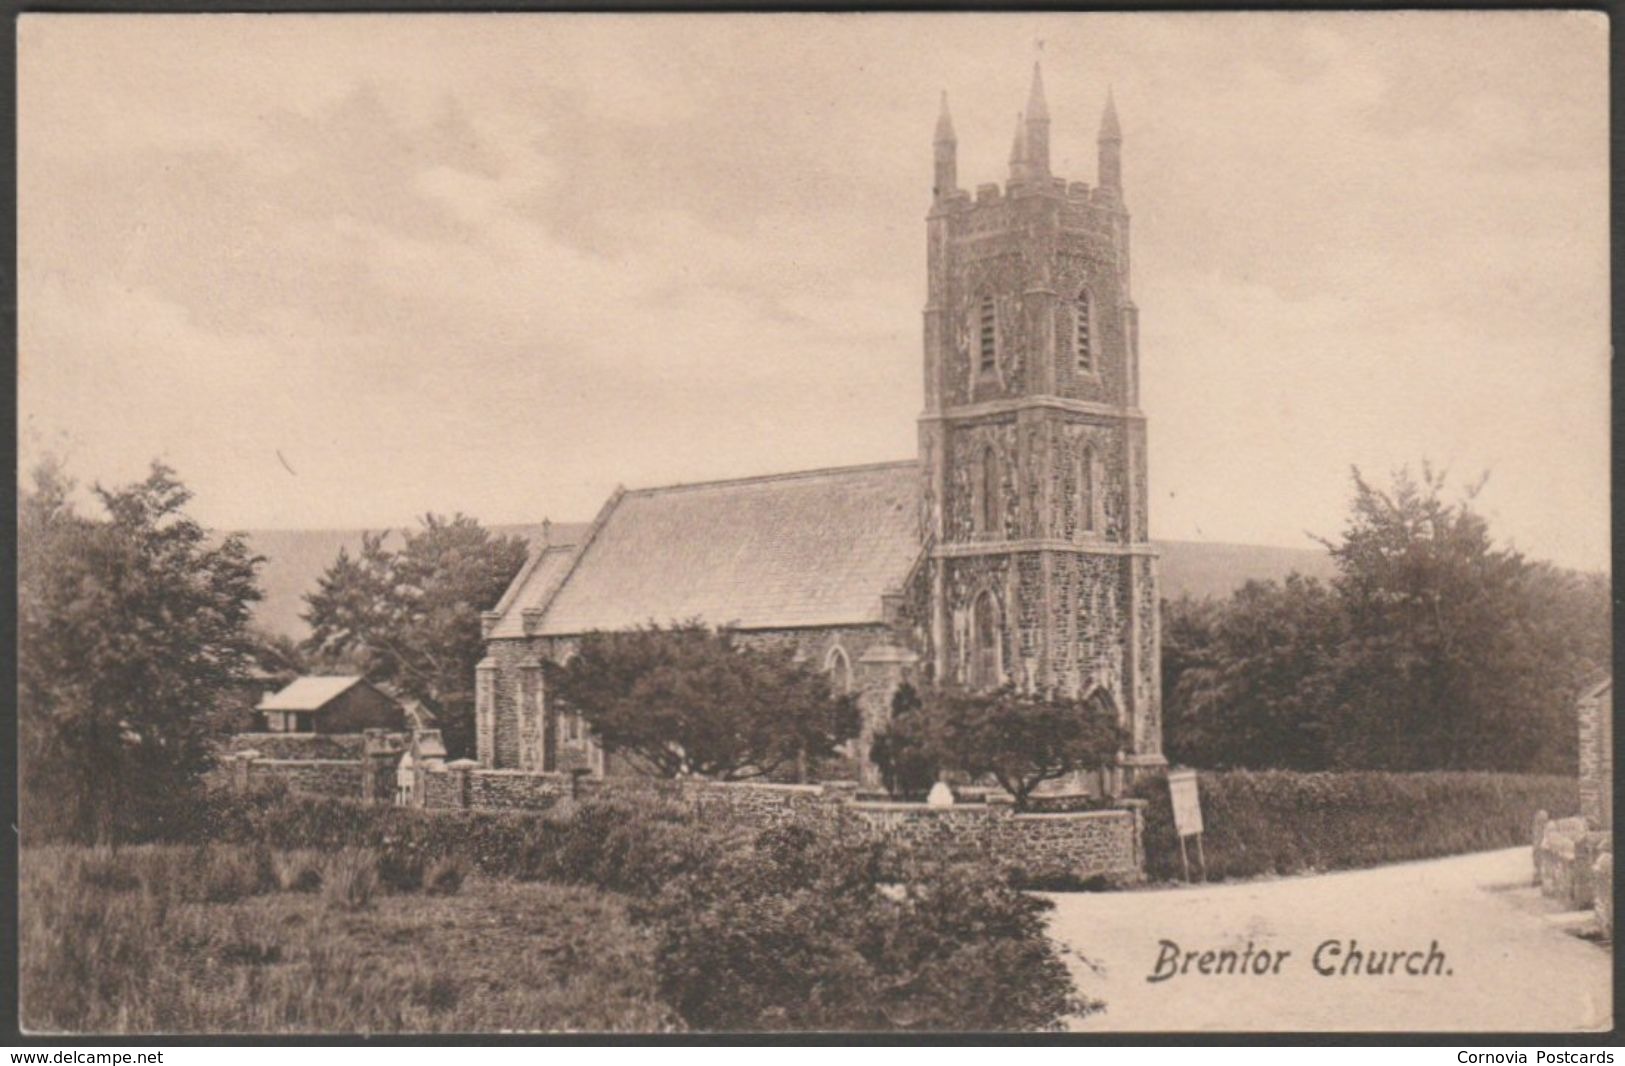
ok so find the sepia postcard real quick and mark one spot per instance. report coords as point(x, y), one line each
point(814, 523)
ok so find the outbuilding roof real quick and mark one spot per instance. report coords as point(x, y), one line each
point(309, 693)
point(815, 548)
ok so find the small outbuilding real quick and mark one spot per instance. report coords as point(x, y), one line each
point(330, 705)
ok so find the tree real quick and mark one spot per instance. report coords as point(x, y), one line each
point(1455, 655)
point(1432, 649)
point(131, 626)
point(904, 749)
point(1022, 740)
point(691, 700)
point(1251, 678)
point(410, 619)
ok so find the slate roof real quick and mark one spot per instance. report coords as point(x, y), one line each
point(534, 586)
point(308, 694)
point(815, 548)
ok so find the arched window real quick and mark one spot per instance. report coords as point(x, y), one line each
point(1083, 337)
point(839, 668)
point(986, 645)
point(987, 334)
point(987, 492)
point(1088, 493)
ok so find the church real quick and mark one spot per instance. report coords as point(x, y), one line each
point(1012, 549)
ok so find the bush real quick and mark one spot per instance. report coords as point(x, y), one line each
point(795, 933)
point(226, 874)
point(625, 845)
point(350, 879)
point(102, 959)
point(444, 877)
point(299, 870)
point(632, 847)
point(1281, 822)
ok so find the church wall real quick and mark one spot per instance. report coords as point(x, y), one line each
point(526, 737)
point(968, 446)
point(1072, 638)
point(1088, 258)
point(1032, 254)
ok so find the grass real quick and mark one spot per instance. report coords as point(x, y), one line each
point(222, 939)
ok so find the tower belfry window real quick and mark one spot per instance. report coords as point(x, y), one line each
point(987, 334)
point(1083, 332)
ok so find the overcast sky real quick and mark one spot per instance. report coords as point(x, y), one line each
point(342, 270)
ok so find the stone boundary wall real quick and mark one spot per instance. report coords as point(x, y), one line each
point(336, 778)
point(301, 745)
point(1072, 844)
point(1064, 845)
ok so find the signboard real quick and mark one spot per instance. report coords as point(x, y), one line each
point(1187, 809)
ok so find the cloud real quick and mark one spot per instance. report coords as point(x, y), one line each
point(502, 263)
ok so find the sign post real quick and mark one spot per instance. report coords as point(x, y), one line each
point(1187, 816)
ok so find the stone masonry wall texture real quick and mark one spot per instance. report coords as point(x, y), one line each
point(1079, 844)
point(334, 778)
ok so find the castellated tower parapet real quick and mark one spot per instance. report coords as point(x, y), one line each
point(1032, 443)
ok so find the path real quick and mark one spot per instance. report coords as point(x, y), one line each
point(1510, 962)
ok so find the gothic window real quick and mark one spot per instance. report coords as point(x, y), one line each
point(1083, 338)
point(987, 492)
point(1088, 489)
point(985, 671)
point(839, 668)
point(987, 334)
point(1101, 701)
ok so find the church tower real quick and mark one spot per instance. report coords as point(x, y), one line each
point(1032, 443)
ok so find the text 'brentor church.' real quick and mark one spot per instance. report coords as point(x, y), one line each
point(1013, 549)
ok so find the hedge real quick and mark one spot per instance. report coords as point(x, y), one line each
point(622, 845)
point(1282, 822)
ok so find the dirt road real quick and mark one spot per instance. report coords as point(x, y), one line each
point(1463, 943)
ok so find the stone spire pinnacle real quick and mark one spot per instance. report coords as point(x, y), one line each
point(945, 123)
point(1037, 127)
point(1109, 129)
point(1110, 167)
point(945, 177)
point(1018, 150)
point(1037, 110)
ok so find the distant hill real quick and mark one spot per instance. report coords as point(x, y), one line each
point(295, 558)
point(1203, 569)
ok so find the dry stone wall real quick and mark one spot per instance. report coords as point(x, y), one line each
point(1066, 844)
point(1075, 844)
point(336, 778)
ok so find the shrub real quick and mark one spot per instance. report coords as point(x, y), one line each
point(624, 846)
point(104, 867)
point(444, 876)
point(1281, 822)
point(299, 870)
point(904, 750)
point(350, 879)
point(100, 959)
point(795, 933)
point(223, 874)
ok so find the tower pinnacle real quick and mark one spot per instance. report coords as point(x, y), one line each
point(1109, 129)
point(945, 123)
point(1110, 145)
point(945, 176)
point(1037, 127)
point(1019, 169)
